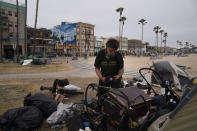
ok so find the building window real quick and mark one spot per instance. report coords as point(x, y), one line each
point(4, 24)
point(16, 14)
point(82, 37)
point(11, 34)
point(91, 31)
point(10, 13)
point(83, 30)
point(37, 49)
point(10, 24)
point(87, 31)
point(91, 37)
point(3, 12)
point(77, 36)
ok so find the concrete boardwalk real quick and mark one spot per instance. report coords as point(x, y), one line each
point(81, 69)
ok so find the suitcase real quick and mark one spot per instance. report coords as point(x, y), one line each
point(116, 105)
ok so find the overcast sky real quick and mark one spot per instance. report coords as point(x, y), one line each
point(176, 17)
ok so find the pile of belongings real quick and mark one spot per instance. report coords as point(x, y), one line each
point(62, 88)
point(38, 107)
point(30, 117)
point(173, 73)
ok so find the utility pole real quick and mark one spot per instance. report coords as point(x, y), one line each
point(17, 33)
point(25, 30)
point(1, 36)
point(35, 26)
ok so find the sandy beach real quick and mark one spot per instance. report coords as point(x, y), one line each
point(132, 63)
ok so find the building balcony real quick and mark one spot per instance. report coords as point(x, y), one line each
point(4, 17)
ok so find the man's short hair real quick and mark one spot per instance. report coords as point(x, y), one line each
point(112, 43)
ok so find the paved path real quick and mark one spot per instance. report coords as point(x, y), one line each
point(82, 69)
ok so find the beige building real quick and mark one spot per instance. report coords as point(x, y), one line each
point(134, 45)
point(85, 39)
point(8, 29)
point(123, 44)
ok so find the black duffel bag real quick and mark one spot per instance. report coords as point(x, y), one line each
point(43, 102)
point(21, 119)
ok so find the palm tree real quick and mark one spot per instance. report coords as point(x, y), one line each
point(120, 10)
point(165, 35)
point(161, 31)
point(156, 30)
point(143, 22)
point(146, 44)
point(180, 44)
point(187, 44)
point(122, 19)
point(177, 43)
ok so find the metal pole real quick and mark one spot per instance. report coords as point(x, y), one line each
point(1, 35)
point(25, 30)
point(17, 33)
point(35, 26)
point(142, 40)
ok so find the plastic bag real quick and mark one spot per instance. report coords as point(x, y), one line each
point(71, 87)
point(63, 110)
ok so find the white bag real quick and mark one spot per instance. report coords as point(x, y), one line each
point(71, 88)
point(63, 110)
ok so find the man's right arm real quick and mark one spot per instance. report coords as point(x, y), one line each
point(98, 72)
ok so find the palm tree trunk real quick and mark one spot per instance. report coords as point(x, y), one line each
point(165, 46)
point(120, 31)
point(142, 33)
point(121, 34)
point(161, 43)
point(157, 41)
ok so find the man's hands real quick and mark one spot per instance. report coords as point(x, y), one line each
point(103, 79)
point(116, 77)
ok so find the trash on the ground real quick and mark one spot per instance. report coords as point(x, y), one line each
point(71, 87)
point(27, 62)
point(159, 57)
point(63, 110)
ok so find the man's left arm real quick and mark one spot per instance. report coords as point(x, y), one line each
point(121, 67)
point(120, 73)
